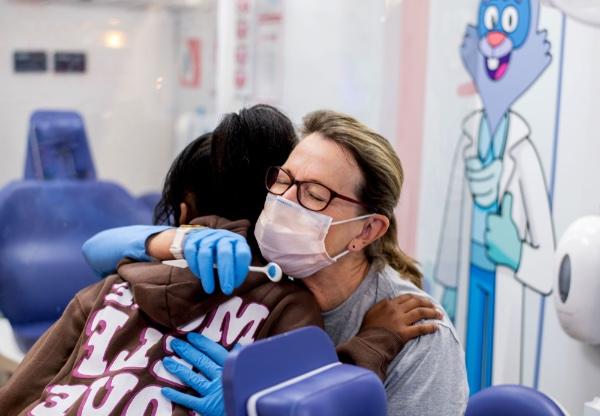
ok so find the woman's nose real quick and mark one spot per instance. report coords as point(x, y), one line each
point(291, 194)
point(495, 38)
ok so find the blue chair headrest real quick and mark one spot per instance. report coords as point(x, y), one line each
point(298, 373)
point(150, 200)
point(57, 147)
point(514, 400)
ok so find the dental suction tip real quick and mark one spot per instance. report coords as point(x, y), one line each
point(274, 272)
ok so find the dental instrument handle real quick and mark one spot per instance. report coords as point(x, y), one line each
point(271, 270)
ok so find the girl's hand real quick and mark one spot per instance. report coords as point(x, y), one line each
point(402, 316)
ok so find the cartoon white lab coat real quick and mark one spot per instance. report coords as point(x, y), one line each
point(522, 175)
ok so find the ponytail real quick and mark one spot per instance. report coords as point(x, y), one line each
point(387, 251)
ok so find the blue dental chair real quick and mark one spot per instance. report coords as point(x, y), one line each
point(150, 200)
point(514, 400)
point(45, 219)
point(43, 225)
point(57, 147)
point(298, 373)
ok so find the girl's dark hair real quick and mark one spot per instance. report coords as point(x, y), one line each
point(223, 173)
point(189, 168)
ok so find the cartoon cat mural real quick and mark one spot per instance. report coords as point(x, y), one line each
point(497, 238)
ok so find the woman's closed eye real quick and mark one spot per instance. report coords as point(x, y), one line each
point(316, 197)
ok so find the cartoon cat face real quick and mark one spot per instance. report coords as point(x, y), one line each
point(505, 53)
point(502, 27)
point(510, 18)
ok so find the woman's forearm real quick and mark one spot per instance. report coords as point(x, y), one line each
point(157, 245)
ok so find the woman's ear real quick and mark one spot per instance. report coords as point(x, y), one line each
point(375, 227)
point(183, 214)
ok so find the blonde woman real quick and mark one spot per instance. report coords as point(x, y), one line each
point(328, 221)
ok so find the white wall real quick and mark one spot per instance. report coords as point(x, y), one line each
point(197, 23)
point(195, 105)
point(334, 56)
point(125, 97)
point(570, 370)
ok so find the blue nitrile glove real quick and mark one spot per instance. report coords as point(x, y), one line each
point(206, 247)
point(206, 356)
point(502, 236)
point(104, 250)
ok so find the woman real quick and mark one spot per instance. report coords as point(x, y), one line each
point(329, 221)
point(344, 173)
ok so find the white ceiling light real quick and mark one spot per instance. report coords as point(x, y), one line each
point(114, 39)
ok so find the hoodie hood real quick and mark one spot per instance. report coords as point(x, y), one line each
point(172, 296)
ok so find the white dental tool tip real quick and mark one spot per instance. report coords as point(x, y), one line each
point(271, 270)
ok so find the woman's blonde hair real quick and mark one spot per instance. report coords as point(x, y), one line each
point(382, 181)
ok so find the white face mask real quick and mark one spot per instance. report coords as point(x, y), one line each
point(294, 237)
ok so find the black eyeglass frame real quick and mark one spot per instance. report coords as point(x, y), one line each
point(298, 184)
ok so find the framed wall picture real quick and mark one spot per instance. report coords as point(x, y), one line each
point(69, 62)
point(30, 61)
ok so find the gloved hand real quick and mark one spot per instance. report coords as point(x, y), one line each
point(206, 356)
point(205, 247)
point(502, 236)
point(104, 250)
point(483, 181)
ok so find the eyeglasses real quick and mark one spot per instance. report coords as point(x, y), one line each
point(311, 195)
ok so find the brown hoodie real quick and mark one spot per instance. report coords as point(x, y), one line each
point(103, 356)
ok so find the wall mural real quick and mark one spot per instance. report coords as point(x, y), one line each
point(496, 248)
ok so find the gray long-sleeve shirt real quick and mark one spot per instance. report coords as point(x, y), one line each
point(428, 376)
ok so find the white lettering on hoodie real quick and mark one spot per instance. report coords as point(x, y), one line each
point(229, 322)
